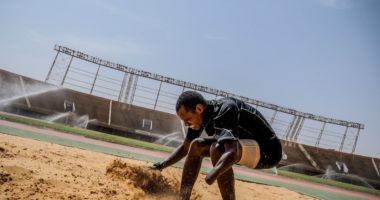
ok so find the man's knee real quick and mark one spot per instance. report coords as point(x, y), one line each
point(199, 147)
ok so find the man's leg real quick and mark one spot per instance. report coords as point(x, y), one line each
point(226, 181)
point(199, 148)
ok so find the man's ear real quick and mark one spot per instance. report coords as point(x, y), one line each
point(199, 108)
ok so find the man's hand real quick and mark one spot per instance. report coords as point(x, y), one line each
point(157, 166)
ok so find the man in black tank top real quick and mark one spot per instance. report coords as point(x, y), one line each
point(238, 134)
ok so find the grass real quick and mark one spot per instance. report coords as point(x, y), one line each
point(325, 181)
point(85, 133)
point(152, 146)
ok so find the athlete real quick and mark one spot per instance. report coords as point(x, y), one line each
point(237, 134)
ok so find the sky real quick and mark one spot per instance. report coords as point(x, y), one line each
point(315, 56)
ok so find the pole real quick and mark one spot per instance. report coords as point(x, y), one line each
point(67, 70)
point(96, 76)
point(273, 117)
point(51, 68)
point(320, 134)
point(356, 140)
point(344, 138)
point(158, 94)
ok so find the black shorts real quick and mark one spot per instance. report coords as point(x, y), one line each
point(270, 153)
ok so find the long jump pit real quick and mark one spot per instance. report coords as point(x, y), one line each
point(31, 169)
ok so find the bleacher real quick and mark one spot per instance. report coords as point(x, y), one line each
point(356, 164)
point(293, 154)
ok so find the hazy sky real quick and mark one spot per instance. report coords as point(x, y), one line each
point(317, 56)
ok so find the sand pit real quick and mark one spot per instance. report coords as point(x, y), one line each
point(140, 177)
point(31, 169)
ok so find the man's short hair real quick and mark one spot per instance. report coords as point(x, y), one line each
point(189, 99)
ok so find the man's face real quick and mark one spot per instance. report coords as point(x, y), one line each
point(192, 119)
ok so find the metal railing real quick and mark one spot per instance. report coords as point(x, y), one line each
point(159, 92)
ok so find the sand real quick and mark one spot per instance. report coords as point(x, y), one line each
point(31, 169)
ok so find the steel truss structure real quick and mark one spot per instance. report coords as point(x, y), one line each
point(63, 72)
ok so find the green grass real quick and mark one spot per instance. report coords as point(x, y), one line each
point(86, 133)
point(325, 181)
point(147, 145)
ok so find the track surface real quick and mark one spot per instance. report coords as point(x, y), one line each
point(313, 189)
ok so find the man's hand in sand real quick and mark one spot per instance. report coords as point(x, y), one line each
point(156, 166)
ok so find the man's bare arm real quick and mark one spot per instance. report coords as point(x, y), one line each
point(177, 155)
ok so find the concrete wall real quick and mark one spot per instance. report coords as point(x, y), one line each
point(124, 119)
